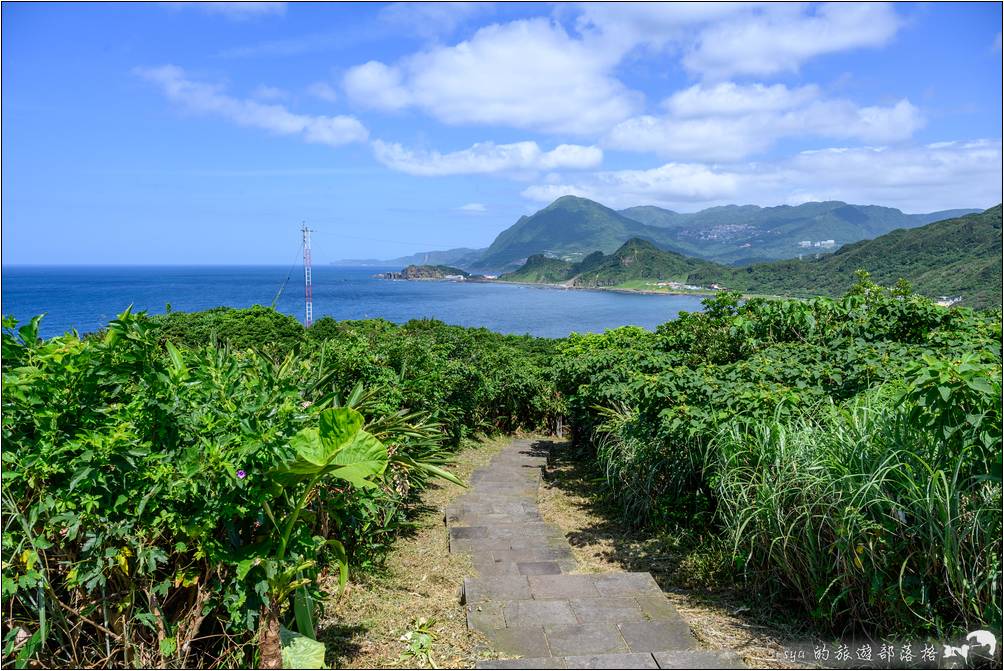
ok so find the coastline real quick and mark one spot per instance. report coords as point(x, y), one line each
point(621, 290)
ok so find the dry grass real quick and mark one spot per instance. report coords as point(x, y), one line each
point(683, 566)
point(421, 579)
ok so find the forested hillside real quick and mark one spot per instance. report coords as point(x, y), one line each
point(957, 258)
point(635, 259)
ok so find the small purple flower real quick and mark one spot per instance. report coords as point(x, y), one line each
point(241, 474)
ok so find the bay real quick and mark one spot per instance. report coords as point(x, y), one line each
point(88, 297)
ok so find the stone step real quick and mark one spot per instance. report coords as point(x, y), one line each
point(691, 659)
point(698, 659)
point(570, 586)
point(526, 599)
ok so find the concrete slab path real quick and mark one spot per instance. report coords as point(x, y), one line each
point(528, 599)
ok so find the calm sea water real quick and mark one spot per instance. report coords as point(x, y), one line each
point(86, 298)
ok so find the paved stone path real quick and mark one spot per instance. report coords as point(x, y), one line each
point(528, 600)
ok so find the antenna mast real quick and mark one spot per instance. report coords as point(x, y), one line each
point(308, 287)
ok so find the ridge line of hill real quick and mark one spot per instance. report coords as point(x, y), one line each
point(572, 227)
point(957, 258)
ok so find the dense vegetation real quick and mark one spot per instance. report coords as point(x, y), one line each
point(847, 451)
point(425, 272)
point(955, 257)
point(177, 495)
point(176, 489)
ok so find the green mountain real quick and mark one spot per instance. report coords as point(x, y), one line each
point(740, 234)
point(636, 259)
point(568, 228)
point(956, 257)
point(572, 227)
point(540, 269)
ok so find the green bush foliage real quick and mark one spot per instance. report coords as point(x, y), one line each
point(735, 419)
point(172, 504)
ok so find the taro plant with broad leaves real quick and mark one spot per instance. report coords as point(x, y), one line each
point(337, 449)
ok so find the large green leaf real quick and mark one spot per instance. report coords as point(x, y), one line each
point(340, 425)
point(338, 447)
point(300, 652)
point(363, 458)
point(315, 448)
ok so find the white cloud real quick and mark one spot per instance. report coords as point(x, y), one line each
point(571, 156)
point(780, 41)
point(236, 11)
point(719, 40)
point(486, 158)
point(672, 182)
point(731, 99)
point(915, 179)
point(923, 178)
point(377, 85)
point(525, 74)
point(209, 99)
point(621, 26)
point(473, 208)
point(323, 91)
point(728, 121)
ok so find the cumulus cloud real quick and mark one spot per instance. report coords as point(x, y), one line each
point(781, 39)
point(377, 85)
point(205, 98)
point(720, 40)
point(920, 178)
point(622, 26)
point(728, 121)
point(533, 74)
point(525, 74)
point(731, 99)
point(672, 182)
point(486, 158)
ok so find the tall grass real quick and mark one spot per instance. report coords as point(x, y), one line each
point(866, 516)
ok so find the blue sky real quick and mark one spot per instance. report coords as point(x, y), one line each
point(204, 133)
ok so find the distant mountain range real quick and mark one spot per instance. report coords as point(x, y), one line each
point(572, 227)
point(463, 256)
point(956, 257)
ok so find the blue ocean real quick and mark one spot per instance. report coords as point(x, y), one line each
point(86, 298)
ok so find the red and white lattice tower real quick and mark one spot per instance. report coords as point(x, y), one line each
point(308, 287)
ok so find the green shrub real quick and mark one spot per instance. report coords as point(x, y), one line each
point(166, 504)
point(272, 332)
point(866, 517)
